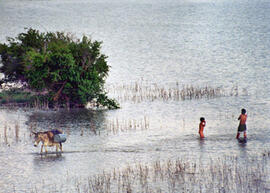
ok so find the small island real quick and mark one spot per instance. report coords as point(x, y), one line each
point(54, 70)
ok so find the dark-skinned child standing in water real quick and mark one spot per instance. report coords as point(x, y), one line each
point(201, 127)
point(242, 124)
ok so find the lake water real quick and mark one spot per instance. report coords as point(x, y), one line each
point(221, 44)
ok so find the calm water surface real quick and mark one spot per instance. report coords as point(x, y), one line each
point(215, 43)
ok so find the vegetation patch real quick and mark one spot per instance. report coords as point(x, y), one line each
point(226, 174)
point(15, 96)
point(66, 71)
point(143, 91)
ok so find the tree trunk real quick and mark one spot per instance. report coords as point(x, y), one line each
point(57, 95)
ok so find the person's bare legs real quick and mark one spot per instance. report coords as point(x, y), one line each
point(245, 134)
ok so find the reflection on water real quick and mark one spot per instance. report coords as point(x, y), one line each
point(43, 159)
point(63, 119)
point(243, 148)
point(201, 143)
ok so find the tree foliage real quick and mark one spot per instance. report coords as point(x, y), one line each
point(68, 70)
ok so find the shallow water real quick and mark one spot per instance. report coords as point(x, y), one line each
point(215, 43)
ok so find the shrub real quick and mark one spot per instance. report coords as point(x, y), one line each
point(68, 71)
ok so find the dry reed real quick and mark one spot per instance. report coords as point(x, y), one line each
point(5, 134)
point(222, 175)
point(115, 125)
point(140, 91)
point(227, 174)
point(17, 128)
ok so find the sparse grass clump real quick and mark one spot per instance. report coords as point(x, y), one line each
point(222, 175)
point(115, 125)
point(228, 174)
point(140, 91)
point(10, 133)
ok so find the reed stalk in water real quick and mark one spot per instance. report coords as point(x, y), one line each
point(5, 134)
point(140, 92)
point(17, 128)
point(226, 174)
point(115, 125)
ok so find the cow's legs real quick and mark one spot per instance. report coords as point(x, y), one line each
point(41, 148)
point(45, 145)
point(61, 148)
point(57, 147)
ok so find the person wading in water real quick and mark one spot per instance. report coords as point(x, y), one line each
point(201, 127)
point(242, 124)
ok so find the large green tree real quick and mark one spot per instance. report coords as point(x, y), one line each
point(67, 70)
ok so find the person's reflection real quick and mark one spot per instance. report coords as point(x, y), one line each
point(242, 148)
point(202, 155)
point(201, 143)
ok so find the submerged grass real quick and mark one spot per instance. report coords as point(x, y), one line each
point(227, 174)
point(11, 132)
point(116, 125)
point(136, 92)
point(140, 91)
point(9, 135)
